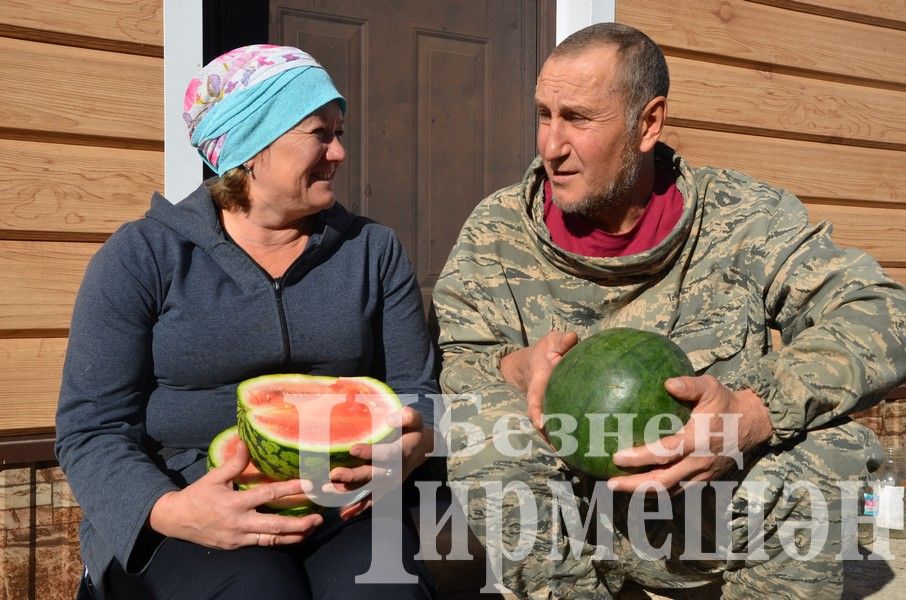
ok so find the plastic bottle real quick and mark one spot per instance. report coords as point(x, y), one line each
point(888, 486)
point(868, 507)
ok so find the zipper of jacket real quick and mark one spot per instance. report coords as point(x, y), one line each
point(284, 327)
point(277, 286)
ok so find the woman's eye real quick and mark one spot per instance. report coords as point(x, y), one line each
point(325, 135)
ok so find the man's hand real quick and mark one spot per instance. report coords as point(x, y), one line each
point(529, 369)
point(676, 458)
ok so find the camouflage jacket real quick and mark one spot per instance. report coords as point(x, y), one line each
point(742, 260)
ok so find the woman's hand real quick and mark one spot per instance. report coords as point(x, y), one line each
point(410, 449)
point(211, 513)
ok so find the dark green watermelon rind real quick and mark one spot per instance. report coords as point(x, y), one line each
point(282, 460)
point(632, 351)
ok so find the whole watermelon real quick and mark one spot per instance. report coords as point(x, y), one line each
point(615, 371)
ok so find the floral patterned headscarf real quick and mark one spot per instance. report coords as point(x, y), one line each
point(243, 100)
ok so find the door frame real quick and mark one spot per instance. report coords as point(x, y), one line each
point(184, 52)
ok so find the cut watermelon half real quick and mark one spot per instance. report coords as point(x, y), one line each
point(224, 446)
point(301, 426)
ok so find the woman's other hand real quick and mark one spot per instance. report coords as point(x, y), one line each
point(409, 450)
point(211, 513)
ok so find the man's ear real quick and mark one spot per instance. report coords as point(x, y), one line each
point(651, 123)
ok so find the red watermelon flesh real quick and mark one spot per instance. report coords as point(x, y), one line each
point(346, 404)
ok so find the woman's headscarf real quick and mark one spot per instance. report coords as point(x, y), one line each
point(245, 99)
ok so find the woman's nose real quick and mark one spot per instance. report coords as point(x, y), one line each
point(335, 150)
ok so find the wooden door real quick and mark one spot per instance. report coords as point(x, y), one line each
point(440, 105)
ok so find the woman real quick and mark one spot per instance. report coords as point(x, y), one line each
point(257, 271)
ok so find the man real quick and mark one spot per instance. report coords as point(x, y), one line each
point(611, 228)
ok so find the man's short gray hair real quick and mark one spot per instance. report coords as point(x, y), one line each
point(642, 69)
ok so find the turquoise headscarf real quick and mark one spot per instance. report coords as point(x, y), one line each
point(242, 101)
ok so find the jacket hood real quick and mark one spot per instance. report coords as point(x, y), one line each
point(616, 269)
point(195, 218)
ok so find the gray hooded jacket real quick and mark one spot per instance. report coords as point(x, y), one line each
point(172, 315)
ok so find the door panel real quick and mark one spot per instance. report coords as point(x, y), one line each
point(452, 125)
point(440, 105)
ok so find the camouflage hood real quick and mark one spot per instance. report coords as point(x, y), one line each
point(612, 270)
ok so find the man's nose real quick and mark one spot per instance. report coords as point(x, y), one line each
point(552, 142)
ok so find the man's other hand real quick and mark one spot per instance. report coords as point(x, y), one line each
point(529, 369)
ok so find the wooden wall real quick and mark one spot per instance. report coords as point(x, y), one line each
point(808, 95)
point(81, 151)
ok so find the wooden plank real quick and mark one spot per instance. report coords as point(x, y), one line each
point(885, 13)
point(894, 10)
point(808, 169)
point(30, 372)
point(878, 231)
point(748, 31)
point(66, 188)
point(39, 282)
point(747, 100)
point(137, 21)
point(69, 90)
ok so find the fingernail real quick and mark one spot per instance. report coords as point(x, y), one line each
point(612, 485)
point(623, 455)
point(307, 486)
point(677, 383)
